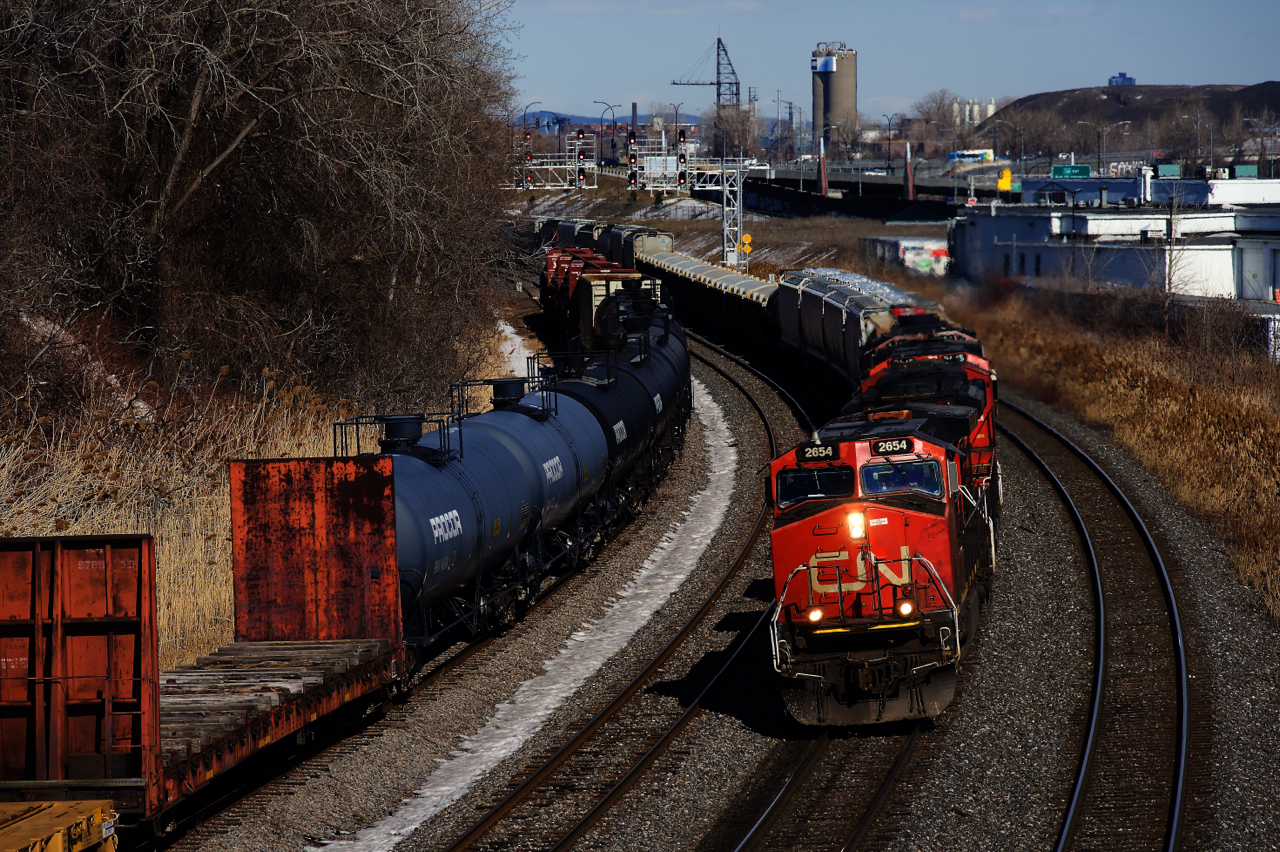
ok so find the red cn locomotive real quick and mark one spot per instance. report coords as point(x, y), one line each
point(884, 538)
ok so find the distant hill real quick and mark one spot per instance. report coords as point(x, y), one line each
point(1138, 103)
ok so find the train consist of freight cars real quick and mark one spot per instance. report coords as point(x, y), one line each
point(884, 523)
point(348, 571)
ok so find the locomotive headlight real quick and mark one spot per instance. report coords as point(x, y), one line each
point(905, 608)
point(814, 614)
point(857, 525)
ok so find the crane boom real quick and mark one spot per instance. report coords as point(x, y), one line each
point(728, 90)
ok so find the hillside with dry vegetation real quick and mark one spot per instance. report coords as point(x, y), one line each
point(221, 227)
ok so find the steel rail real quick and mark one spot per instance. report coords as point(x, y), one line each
point(746, 365)
point(860, 830)
point(1173, 824)
point(761, 827)
point(1100, 652)
point(531, 781)
point(651, 754)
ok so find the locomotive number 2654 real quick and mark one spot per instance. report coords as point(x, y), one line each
point(827, 451)
point(890, 446)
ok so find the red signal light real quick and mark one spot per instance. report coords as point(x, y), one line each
point(631, 179)
point(681, 136)
point(684, 178)
point(527, 136)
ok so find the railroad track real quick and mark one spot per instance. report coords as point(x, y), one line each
point(837, 791)
point(1130, 790)
point(556, 803)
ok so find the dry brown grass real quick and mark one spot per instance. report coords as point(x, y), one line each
point(102, 471)
point(1199, 411)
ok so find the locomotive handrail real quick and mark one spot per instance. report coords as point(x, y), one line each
point(951, 604)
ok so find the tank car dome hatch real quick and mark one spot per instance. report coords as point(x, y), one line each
point(400, 431)
point(507, 392)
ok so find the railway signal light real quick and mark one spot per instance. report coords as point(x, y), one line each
point(582, 154)
point(683, 178)
point(528, 179)
point(632, 159)
point(631, 138)
point(631, 179)
point(580, 133)
point(528, 136)
point(680, 136)
point(582, 176)
point(528, 158)
point(682, 158)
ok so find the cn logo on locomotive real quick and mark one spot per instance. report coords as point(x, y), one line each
point(446, 526)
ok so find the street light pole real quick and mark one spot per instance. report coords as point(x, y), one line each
point(677, 111)
point(1023, 138)
point(955, 146)
point(888, 155)
point(613, 118)
point(524, 116)
point(1102, 135)
point(1197, 121)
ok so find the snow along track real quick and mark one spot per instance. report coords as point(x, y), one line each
point(515, 721)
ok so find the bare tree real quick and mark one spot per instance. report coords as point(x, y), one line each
point(256, 183)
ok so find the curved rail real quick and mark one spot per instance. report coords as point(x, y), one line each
point(530, 782)
point(1100, 653)
point(746, 365)
point(1173, 825)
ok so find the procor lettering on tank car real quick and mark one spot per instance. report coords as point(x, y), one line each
point(884, 534)
point(485, 505)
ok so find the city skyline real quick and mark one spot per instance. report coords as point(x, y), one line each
point(981, 50)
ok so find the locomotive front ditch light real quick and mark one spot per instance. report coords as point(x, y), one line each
point(905, 608)
point(857, 525)
point(814, 614)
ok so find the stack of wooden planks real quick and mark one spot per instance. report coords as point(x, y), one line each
point(215, 699)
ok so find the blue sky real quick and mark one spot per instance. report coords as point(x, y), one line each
point(573, 52)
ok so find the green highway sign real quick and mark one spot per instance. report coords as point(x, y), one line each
point(1071, 172)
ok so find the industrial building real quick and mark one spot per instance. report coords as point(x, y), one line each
point(835, 88)
point(971, 111)
point(1215, 238)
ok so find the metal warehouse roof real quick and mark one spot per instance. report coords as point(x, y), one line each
point(743, 286)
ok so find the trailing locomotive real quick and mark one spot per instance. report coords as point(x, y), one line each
point(467, 516)
point(884, 533)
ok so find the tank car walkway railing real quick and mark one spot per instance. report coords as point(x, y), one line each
point(545, 773)
point(1130, 790)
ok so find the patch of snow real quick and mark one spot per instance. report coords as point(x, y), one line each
point(514, 350)
point(514, 722)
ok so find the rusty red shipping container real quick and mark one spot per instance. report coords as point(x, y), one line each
point(84, 711)
point(78, 683)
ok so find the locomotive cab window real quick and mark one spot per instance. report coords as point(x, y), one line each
point(814, 483)
point(923, 476)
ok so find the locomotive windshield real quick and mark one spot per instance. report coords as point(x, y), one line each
point(924, 476)
point(814, 483)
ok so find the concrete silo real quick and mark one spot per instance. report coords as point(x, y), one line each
point(835, 88)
